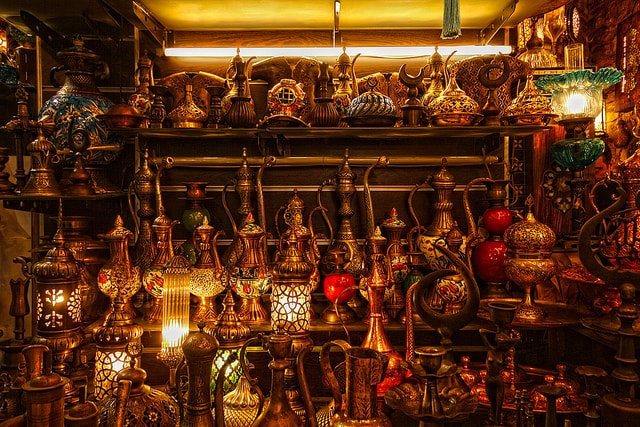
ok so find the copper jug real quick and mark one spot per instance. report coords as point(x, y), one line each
point(278, 412)
point(44, 393)
point(365, 369)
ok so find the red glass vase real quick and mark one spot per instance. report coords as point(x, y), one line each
point(339, 287)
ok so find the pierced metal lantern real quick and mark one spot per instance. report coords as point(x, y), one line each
point(111, 341)
point(58, 301)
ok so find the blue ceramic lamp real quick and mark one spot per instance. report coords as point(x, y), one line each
point(576, 97)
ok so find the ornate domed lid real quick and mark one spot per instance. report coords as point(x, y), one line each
point(372, 108)
point(59, 262)
point(118, 329)
point(344, 58)
point(41, 144)
point(75, 52)
point(228, 329)
point(199, 345)
point(529, 101)
point(529, 235)
point(453, 100)
point(136, 375)
point(162, 220)
point(250, 226)
point(442, 178)
point(118, 232)
point(292, 266)
point(392, 221)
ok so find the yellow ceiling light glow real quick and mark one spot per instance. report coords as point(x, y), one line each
point(371, 51)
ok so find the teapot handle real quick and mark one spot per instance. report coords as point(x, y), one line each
point(312, 420)
point(132, 209)
point(253, 382)
point(52, 75)
point(329, 375)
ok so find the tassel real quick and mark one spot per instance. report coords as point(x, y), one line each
point(451, 20)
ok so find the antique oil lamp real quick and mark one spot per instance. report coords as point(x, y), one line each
point(118, 277)
point(452, 107)
point(58, 301)
point(153, 277)
point(111, 341)
point(576, 97)
point(344, 239)
point(443, 183)
point(208, 276)
point(529, 260)
point(290, 310)
point(199, 349)
point(175, 309)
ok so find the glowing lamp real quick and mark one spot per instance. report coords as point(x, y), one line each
point(175, 309)
point(111, 348)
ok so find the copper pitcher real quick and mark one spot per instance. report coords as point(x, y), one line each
point(365, 369)
point(278, 412)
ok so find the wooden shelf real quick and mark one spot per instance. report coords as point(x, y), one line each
point(366, 133)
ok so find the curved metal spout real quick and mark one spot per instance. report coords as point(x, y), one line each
point(382, 161)
point(167, 163)
point(447, 324)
